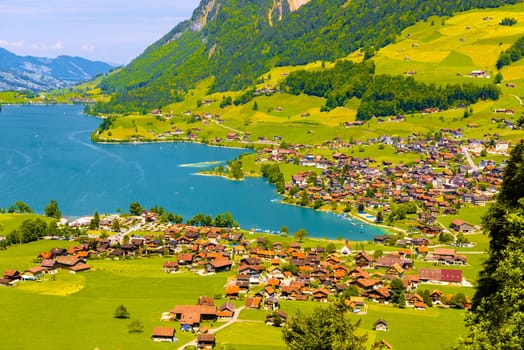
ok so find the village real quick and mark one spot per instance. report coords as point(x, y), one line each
point(261, 270)
point(440, 179)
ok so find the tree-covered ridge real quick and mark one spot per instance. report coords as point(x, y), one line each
point(498, 305)
point(513, 54)
point(382, 95)
point(238, 43)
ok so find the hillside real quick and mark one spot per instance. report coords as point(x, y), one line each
point(235, 42)
point(38, 73)
point(298, 118)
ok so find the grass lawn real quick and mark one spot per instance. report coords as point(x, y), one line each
point(80, 307)
point(433, 328)
point(472, 215)
point(251, 336)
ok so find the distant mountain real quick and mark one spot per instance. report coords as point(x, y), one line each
point(236, 41)
point(38, 73)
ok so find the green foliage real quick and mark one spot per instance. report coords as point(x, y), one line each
point(513, 54)
point(397, 292)
point(135, 327)
point(235, 169)
point(30, 231)
point(94, 224)
point(382, 95)
point(274, 175)
point(20, 207)
point(496, 317)
point(508, 21)
point(300, 234)
point(240, 42)
point(324, 328)
point(121, 312)
point(52, 210)
point(135, 208)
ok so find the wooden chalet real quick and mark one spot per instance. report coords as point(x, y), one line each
point(205, 341)
point(163, 334)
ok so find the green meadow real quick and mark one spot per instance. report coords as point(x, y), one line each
point(64, 308)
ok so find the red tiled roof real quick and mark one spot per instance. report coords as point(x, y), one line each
point(163, 332)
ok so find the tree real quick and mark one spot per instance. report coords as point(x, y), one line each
point(496, 317)
point(20, 207)
point(284, 230)
point(255, 106)
point(446, 238)
point(121, 312)
point(94, 224)
point(325, 328)
point(380, 216)
point(300, 234)
point(498, 78)
point(135, 327)
point(52, 211)
point(427, 299)
point(115, 225)
point(135, 208)
point(458, 300)
point(304, 198)
point(397, 292)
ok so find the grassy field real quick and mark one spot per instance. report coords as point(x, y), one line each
point(440, 50)
point(62, 309)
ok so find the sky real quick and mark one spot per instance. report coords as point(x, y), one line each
point(113, 31)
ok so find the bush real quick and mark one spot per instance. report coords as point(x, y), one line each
point(121, 312)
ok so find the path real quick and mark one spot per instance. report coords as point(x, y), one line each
point(228, 127)
point(218, 329)
point(468, 158)
point(518, 98)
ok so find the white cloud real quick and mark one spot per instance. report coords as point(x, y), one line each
point(88, 47)
point(57, 46)
point(6, 43)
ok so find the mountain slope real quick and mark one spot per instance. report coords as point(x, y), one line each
point(37, 73)
point(235, 41)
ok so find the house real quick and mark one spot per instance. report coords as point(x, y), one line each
point(205, 341)
point(362, 259)
point(346, 249)
point(461, 226)
point(226, 311)
point(12, 275)
point(320, 294)
point(276, 319)
point(164, 334)
point(431, 275)
point(170, 266)
point(381, 325)
point(79, 268)
point(50, 265)
point(33, 273)
point(253, 302)
point(219, 265)
point(232, 291)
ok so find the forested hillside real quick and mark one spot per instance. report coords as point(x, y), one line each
point(236, 41)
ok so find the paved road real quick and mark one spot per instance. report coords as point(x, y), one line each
point(468, 158)
point(213, 331)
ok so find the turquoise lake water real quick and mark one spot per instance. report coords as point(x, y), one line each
point(46, 152)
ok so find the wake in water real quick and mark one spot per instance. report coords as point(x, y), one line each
point(201, 164)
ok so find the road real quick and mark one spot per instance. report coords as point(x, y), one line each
point(468, 158)
point(213, 331)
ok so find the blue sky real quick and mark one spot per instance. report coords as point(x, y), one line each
point(114, 31)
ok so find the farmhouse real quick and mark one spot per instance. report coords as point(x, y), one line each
point(381, 325)
point(163, 334)
point(431, 275)
point(461, 226)
point(205, 341)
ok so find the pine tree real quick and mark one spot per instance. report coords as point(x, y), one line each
point(496, 318)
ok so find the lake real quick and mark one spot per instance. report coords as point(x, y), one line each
point(46, 153)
